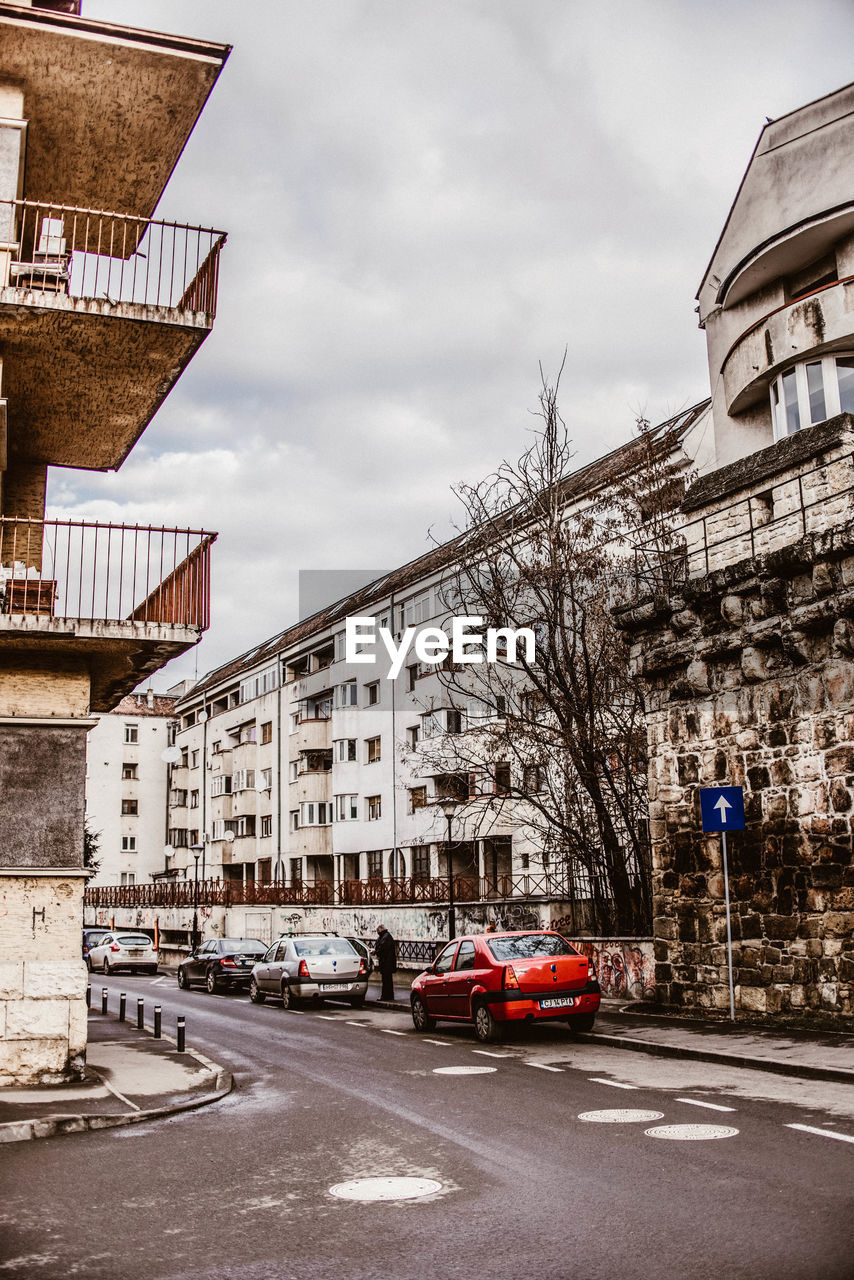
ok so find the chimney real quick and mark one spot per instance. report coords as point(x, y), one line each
point(149, 698)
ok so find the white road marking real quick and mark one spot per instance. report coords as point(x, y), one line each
point(327, 1017)
point(445, 1044)
point(356, 1024)
point(711, 1106)
point(615, 1084)
point(156, 980)
point(486, 1053)
point(387, 1031)
point(808, 1128)
point(543, 1066)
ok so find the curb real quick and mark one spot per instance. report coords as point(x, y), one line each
point(837, 1075)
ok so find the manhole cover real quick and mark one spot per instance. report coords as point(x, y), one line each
point(621, 1117)
point(374, 1189)
point(462, 1071)
point(691, 1132)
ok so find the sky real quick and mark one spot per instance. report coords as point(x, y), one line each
point(425, 204)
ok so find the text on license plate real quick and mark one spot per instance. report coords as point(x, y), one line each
point(334, 986)
point(559, 1002)
point(134, 951)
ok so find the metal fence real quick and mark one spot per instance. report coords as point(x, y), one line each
point(72, 569)
point(120, 258)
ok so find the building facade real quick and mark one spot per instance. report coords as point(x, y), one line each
point(101, 307)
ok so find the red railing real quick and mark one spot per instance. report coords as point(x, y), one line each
point(71, 569)
point(114, 257)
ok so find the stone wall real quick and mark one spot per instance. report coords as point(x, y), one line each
point(749, 681)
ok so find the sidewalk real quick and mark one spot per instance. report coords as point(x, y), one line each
point(130, 1077)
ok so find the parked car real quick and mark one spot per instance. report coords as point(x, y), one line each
point(91, 938)
point(310, 966)
point(497, 979)
point(221, 962)
point(364, 951)
point(121, 949)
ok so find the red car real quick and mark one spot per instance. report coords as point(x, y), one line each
point(492, 979)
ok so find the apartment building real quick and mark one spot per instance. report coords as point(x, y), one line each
point(101, 307)
point(127, 803)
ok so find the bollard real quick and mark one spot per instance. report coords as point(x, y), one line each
point(140, 1010)
point(89, 996)
point(123, 999)
point(157, 1022)
point(105, 991)
point(181, 1034)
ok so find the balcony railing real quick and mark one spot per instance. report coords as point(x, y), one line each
point(117, 258)
point(109, 572)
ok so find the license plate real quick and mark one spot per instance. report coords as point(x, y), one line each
point(559, 1002)
point(135, 951)
point(334, 986)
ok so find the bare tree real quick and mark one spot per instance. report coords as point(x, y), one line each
point(554, 743)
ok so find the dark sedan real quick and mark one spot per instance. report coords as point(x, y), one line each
point(221, 962)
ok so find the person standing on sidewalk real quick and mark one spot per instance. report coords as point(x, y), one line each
point(386, 961)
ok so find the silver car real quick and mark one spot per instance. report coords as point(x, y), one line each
point(122, 949)
point(310, 967)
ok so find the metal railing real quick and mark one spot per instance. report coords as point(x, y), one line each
point(120, 258)
point(110, 572)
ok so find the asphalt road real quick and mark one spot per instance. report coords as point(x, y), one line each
point(527, 1187)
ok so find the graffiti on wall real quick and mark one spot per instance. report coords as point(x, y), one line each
point(625, 967)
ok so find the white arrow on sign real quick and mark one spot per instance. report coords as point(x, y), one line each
point(723, 804)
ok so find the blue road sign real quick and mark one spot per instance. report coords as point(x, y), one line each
point(722, 808)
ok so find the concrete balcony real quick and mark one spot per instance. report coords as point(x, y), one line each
point(99, 314)
point(820, 322)
point(312, 735)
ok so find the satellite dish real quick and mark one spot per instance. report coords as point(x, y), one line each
point(171, 755)
point(202, 717)
point(229, 837)
point(168, 851)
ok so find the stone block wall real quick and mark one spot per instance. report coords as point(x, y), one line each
point(749, 680)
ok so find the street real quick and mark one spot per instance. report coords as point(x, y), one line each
point(242, 1188)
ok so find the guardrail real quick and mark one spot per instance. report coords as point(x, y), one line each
point(130, 573)
point(119, 258)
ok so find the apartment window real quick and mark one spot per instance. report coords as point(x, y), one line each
point(194, 799)
point(293, 770)
point(178, 796)
point(221, 785)
point(345, 749)
point(347, 694)
point(372, 693)
point(216, 747)
point(128, 877)
point(372, 750)
point(374, 807)
point(420, 862)
point(193, 837)
point(340, 646)
point(501, 775)
point(266, 732)
point(130, 807)
point(194, 760)
point(128, 844)
point(315, 814)
point(217, 829)
point(413, 734)
point(248, 733)
point(346, 808)
point(185, 757)
point(178, 837)
point(294, 820)
point(243, 780)
point(296, 870)
point(532, 778)
point(416, 610)
point(267, 826)
point(130, 771)
point(255, 686)
point(811, 392)
point(266, 777)
point(442, 720)
point(417, 798)
point(375, 864)
point(242, 826)
point(132, 734)
point(294, 723)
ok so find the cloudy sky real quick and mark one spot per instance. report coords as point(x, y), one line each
point(424, 202)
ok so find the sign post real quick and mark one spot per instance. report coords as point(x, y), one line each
point(722, 809)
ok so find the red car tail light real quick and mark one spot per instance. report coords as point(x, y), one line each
point(591, 972)
point(226, 960)
point(363, 968)
point(510, 981)
point(303, 970)
point(114, 946)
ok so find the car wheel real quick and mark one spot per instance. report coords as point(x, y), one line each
point(582, 1021)
point(88, 964)
point(485, 1026)
point(420, 1017)
point(289, 1000)
point(183, 980)
point(106, 967)
point(211, 982)
point(256, 995)
point(357, 1002)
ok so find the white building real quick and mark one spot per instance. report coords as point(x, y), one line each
point(126, 788)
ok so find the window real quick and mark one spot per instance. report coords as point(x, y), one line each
point(216, 747)
point(243, 780)
point(346, 808)
point(178, 797)
point(221, 785)
point(266, 732)
point(293, 771)
point(263, 682)
point(372, 693)
point(442, 720)
point(532, 778)
point(501, 775)
point(296, 870)
point(185, 757)
point(128, 844)
point(417, 798)
point(194, 760)
point(294, 820)
point(413, 733)
point(416, 610)
point(193, 836)
point(372, 750)
point(313, 813)
point(194, 799)
point(375, 864)
point(294, 723)
point(345, 749)
point(445, 959)
point(248, 733)
point(420, 862)
point(130, 807)
point(131, 733)
point(178, 837)
point(242, 826)
point(347, 694)
point(266, 778)
point(465, 956)
point(374, 806)
point(130, 771)
point(267, 825)
point(128, 877)
point(811, 392)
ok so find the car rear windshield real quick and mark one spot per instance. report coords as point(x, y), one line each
point(322, 947)
point(231, 946)
point(531, 945)
point(133, 940)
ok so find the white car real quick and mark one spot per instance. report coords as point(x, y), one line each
point(122, 949)
point(310, 967)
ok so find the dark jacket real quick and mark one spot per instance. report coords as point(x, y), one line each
point(385, 951)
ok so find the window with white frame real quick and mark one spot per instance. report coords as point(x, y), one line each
point(372, 693)
point(373, 750)
point(267, 825)
point(128, 877)
point(194, 760)
point(313, 813)
point(221, 785)
point(347, 694)
point(128, 844)
point(194, 799)
point(266, 779)
point(293, 723)
point(293, 771)
point(130, 771)
point(415, 610)
point(413, 734)
point(294, 820)
point(375, 864)
point(243, 780)
point(346, 808)
point(812, 392)
point(345, 750)
point(417, 798)
point(256, 685)
point(131, 733)
point(374, 808)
